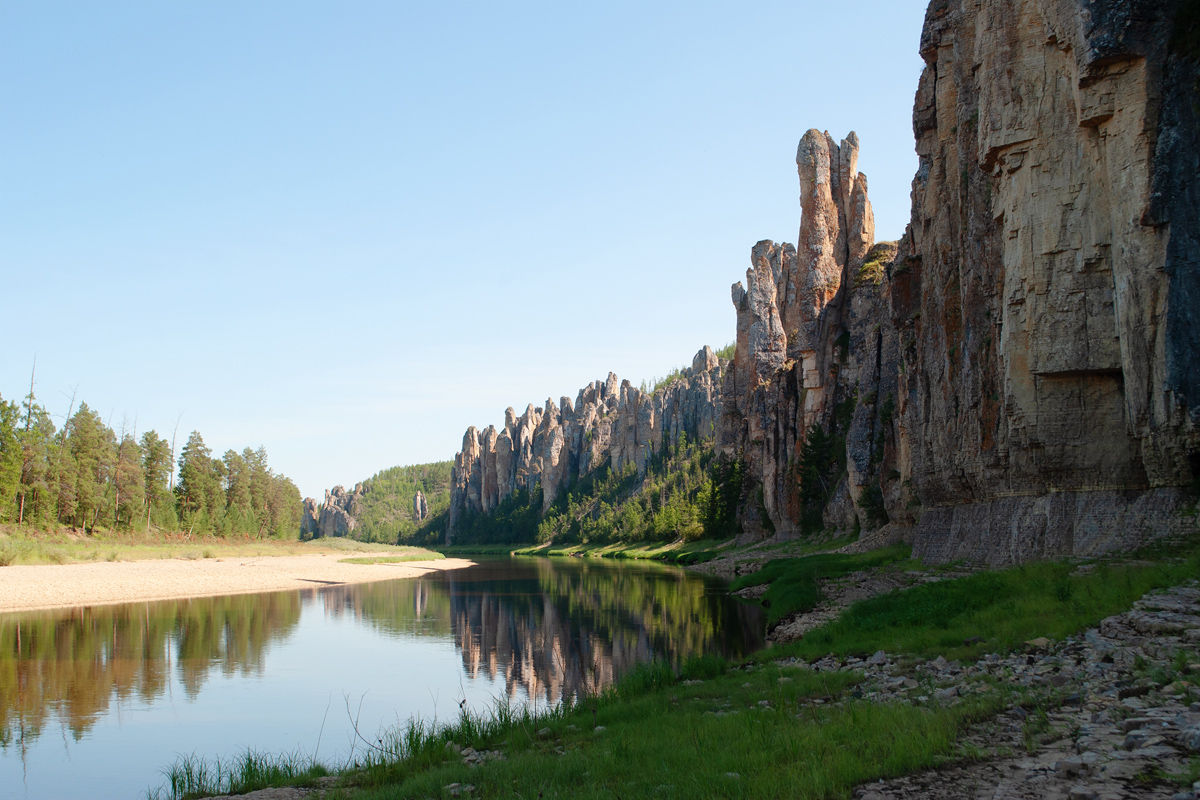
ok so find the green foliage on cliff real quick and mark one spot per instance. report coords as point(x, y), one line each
point(385, 513)
point(686, 494)
point(514, 521)
point(677, 499)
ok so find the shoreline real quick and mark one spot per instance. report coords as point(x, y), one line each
point(36, 587)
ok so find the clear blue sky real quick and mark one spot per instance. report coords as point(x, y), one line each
point(347, 231)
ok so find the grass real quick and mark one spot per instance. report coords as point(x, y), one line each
point(794, 581)
point(1001, 609)
point(414, 554)
point(693, 552)
point(192, 776)
point(770, 729)
point(62, 546)
point(711, 730)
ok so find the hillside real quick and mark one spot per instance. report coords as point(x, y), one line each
point(385, 507)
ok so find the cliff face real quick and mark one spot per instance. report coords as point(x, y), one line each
point(1037, 328)
point(1047, 316)
point(610, 421)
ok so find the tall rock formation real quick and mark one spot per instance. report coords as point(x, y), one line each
point(610, 421)
point(1023, 380)
point(308, 518)
point(337, 513)
point(420, 506)
point(790, 315)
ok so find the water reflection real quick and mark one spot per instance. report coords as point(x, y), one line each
point(547, 629)
point(72, 663)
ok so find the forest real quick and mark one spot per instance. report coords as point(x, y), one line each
point(88, 477)
point(384, 511)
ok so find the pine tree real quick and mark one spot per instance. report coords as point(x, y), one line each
point(10, 460)
point(159, 502)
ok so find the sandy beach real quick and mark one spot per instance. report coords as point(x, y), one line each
point(62, 585)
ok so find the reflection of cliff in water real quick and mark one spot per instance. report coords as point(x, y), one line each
point(565, 629)
point(75, 662)
point(553, 628)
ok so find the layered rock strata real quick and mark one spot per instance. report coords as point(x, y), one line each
point(610, 422)
point(1047, 305)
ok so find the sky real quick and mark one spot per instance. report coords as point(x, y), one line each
point(346, 231)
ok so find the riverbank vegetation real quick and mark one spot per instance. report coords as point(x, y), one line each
point(678, 552)
point(21, 545)
point(768, 726)
point(89, 477)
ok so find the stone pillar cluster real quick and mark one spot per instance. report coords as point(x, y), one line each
point(610, 421)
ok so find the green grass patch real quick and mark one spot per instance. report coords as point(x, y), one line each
point(477, 549)
point(1004, 609)
point(192, 777)
point(693, 552)
point(744, 733)
point(419, 554)
point(794, 581)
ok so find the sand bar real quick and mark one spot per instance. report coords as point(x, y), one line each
point(27, 587)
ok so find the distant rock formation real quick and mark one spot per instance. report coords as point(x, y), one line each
point(308, 518)
point(337, 514)
point(420, 506)
point(610, 421)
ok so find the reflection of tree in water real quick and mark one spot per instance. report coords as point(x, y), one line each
point(415, 607)
point(75, 662)
point(554, 629)
point(567, 629)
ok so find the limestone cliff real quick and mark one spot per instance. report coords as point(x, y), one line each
point(1025, 379)
point(610, 422)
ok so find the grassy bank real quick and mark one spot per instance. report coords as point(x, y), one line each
point(712, 730)
point(65, 547)
point(794, 583)
point(693, 552)
point(766, 728)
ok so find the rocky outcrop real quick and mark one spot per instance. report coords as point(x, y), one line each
point(797, 317)
point(1019, 379)
point(420, 506)
point(610, 422)
point(308, 518)
point(337, 513)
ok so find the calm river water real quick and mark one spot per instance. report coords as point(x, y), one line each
point(95, 702)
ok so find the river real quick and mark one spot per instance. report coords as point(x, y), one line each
point(98, 701)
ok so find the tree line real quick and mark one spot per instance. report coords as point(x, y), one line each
point(86, 475)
